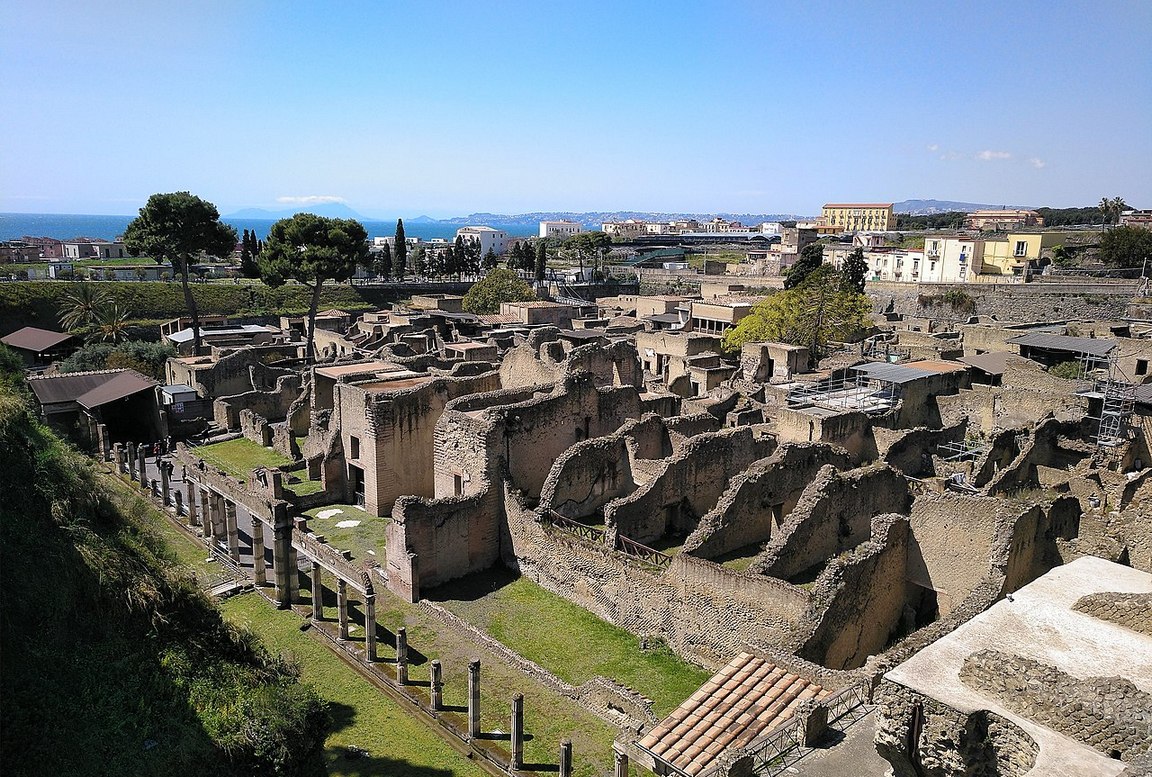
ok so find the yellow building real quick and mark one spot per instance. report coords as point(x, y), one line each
point(1010, 255)
point(858, 217)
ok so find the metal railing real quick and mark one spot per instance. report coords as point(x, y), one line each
point(643, 553)
point(631, 548)
point(581, 529)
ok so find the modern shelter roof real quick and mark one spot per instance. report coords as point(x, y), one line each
point(33, 339)
point(891, 373)
point(1074, 345)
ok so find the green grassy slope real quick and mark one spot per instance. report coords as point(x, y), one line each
point(112, 665)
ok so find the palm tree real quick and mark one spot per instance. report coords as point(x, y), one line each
point(112, 325)
point(1118, 207)
point(83, 306)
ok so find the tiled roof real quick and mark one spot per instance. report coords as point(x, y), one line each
point(746, 699)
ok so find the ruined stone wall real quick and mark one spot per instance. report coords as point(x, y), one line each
point(990, 409)
point(395, 432)
point(1109, 714)
point(432, 541)
point(760, 498)
point(689, 486)
point(833, 516)
point(271, 405)
point(910, 451)
point(858, 600)
point(850, 430)
point(1130, 610)
point(951, 743)
point(587, 476)
point(1052, 444)
point(1007, 302)
point(682, 427)
point(704, 612)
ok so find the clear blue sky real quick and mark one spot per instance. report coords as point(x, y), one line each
point(447, 108)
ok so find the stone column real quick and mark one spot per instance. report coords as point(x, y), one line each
point(620, 764)
point(317, 593)
point(216, 511)
point(103, 441)
point(342, 605)
point(232, 529)
point(437, 684)
point(259, 569)
point(566, 758)
point(283, 559)
point(517, 729)
point(206, 514)
point(118, 455)
point(193, 516)
point(142, 452)
point(402, 655)
point(179, 502)
point(370, 626)
point(165, 485)
point(153, 488)
point(132, 460)
point(474, 698)
point(815, 717)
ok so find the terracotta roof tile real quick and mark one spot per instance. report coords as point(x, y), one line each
point(749, 697)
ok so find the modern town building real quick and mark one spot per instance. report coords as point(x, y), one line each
point(495, 240)
point(560, 228)
point(1002, 220)
point(857, 217)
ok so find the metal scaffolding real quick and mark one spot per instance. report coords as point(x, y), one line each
point(856, 392)
point(1118, 399)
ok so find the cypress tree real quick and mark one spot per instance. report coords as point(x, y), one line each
point(541, 260)
point(384, 261)
point(400, 253)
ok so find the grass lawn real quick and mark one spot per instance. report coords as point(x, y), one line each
point(568, 640)
point(397, 743)
point(239, 457)
point(366, 541)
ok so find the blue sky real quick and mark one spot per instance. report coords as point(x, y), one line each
point(447, 108)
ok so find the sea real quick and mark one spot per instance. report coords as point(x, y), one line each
point(66, 226)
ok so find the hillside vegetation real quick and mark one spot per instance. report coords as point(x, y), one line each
point(114, 665)
point(38, 303)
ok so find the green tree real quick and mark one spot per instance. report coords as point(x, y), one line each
point(591, 246)
point(490, 259)
point(82, 306)
point(811, 259)
point(855, 271)
point(1126, 246)
point(420, 262)
point(384, 262)
point(312, 249)
point(248, 266)
point(541, 260)
point(814, 314)
point(112, 325)
point(400, 252)
point(496, 287)
point(176, 228)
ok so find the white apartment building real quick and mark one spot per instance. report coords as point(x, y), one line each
point(487, 237)
point(560, 228)
point(952, 260)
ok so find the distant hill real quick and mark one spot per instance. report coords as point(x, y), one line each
point(596, 218)
point(329, 209)
point(929, 207)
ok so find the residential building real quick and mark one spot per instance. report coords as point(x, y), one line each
point(1002, 220)
point(495, 240)
point(17, 251)
point(1012, 254)
point(897, 265)
point(1136, 218)
point(719, 316)
point(857, 217)
point(951, 260)
point(624, 230)
point(560, 228)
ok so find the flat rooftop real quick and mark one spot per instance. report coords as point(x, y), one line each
point(363, 368)
point(1040, 624)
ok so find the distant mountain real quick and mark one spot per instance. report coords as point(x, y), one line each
point(423, 220)
point(329, 209)
point(928, 207)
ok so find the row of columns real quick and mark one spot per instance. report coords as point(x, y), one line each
point(216, 515)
